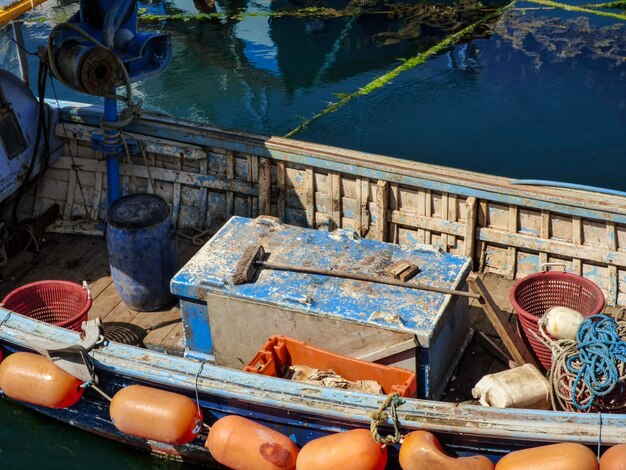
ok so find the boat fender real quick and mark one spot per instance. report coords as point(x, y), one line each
point(614, 458)
point(242, 444)
point(154, 414)
point(562, 322)
point(421, 450)
point(35, 379)
point(564, 456)
point(350, 450)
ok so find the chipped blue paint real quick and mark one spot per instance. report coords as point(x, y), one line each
point(415, 310)
point(437, 320)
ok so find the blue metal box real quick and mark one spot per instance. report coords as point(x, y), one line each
point(422, 331)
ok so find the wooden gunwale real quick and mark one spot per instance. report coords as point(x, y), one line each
point(469, 421)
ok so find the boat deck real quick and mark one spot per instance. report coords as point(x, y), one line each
point(77, 258)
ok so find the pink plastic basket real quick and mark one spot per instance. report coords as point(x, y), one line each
point(61, 303)
point(534, 294)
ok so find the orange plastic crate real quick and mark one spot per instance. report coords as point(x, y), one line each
point(280, 352)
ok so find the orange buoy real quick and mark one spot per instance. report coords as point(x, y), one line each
point(37, 380)
point(155, 414)
point(565, 456)
point(350, 450)
point(421, 450)
point(242, 444)
point(614, 458)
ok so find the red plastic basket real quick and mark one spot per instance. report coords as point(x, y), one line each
point(534, 294)
point(61, 303)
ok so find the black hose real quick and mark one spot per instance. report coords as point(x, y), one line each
point(43, 130)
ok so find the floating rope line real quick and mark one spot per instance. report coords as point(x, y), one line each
point(380, 416)
point(564, 6)
point(411, 63)
point(619, 5)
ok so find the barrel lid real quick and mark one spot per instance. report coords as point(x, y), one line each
point(138, 211)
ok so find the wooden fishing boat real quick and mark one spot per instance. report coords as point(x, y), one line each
point(504, 231)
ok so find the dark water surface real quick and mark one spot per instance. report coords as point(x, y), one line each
point(537, 94)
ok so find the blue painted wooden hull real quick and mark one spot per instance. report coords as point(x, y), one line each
point(298, 410)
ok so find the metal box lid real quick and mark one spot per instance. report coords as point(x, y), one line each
point(397, 308)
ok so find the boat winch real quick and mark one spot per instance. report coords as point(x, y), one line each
point(99, 49)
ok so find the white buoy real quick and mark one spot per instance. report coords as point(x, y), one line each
point(562, 322)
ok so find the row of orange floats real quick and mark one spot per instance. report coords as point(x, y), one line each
point(242, 444)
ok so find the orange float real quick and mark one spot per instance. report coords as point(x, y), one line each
point(565, 456)
point(155, 414)
point(350, 450)
point(35, 379)
point(614, 458)
point(421, 450)
point(242, 444)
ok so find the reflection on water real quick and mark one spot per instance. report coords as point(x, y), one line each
point(535, 94)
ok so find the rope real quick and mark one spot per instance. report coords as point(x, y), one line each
point(196, 385)
point(197, 239)
point(380, 416)
point(600, 360)
point(588, 367)
point(33, 239)
point(599, 435)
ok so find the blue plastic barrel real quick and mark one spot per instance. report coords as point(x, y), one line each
point(142, 251)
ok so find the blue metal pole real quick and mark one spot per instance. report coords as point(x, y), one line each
point(111, 137)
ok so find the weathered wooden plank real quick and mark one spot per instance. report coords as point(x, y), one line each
point(203, 205)
point(359, 207)
point(445, 215)
point(97, 196)
point(164, 147)
point(164, 174)
point(555, 247)
point(512, 341)
point(437, 225)
point(107, 300)
point(310, 197)
point(280, 181)
point(394, 230)
point(230, 174)
point(512, 251)
point(545, 233)
point(577, 235)
point(453, 216)
point(613, 281)
point(382, 205)
point(469, 236)
point(265, 187)
point(428, 206)
point(335, 192)
point(174, 342)
point(99, 285)
point(71, 190)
